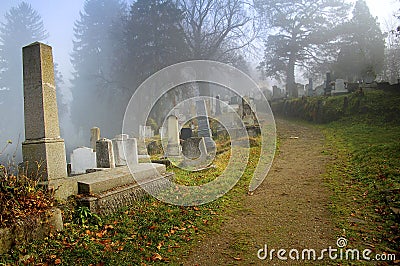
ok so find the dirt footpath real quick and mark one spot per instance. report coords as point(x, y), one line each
point(288, 211)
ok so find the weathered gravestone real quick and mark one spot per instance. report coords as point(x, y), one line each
point(193, 148)
point(131, 151)
point(173, 146)
point(118, 148)
point(310, 91)
point(186, 133)
point(340, 87)
point(105, 154)
point(328, 86)
point(94, 136)
point(247, 111)
point(276, 92)
point(82, 158)
point(43, 150)
point(125, 150)
point(204, 129)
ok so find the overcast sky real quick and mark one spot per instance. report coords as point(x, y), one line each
point(59, 17)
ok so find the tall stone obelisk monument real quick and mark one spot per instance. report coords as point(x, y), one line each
point(43, 150)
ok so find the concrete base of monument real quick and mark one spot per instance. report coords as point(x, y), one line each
point(62, 187)
point(107, 191)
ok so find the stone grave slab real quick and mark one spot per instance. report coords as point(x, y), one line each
point(102, 181)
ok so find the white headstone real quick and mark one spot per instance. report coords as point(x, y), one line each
point(131, 151)
point(82, 158)
point(119, 156)
point(339, 85)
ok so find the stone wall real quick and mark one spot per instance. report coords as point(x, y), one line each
point(323, 109)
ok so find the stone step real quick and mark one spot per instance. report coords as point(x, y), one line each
point(98, 182)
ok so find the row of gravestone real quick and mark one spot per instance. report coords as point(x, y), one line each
point(146, 132)
point(104, 153)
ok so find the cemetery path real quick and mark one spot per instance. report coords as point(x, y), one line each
point(288, 211)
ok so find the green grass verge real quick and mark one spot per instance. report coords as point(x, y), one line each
point(365, 181)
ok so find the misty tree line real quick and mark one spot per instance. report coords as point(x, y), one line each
point(117, 46)
point(23, 25)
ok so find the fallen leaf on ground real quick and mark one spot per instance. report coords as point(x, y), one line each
point(156, 256)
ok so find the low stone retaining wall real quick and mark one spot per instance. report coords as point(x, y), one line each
point(30, 228)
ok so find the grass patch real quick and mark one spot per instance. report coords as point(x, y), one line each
point(365, 180)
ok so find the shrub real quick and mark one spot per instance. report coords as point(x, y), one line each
point(20, 197)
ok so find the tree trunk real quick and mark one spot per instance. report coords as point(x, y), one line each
point(290, 79)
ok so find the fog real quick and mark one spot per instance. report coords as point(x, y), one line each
point(104, 49)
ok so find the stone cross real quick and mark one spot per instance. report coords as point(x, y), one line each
point(43, 149)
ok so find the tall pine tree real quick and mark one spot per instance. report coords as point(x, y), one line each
point(361, 57)
point(96, 95)
point(153, 40)
point(23, 25)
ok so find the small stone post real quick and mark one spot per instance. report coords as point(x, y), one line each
point(94, 136)
point(43, 150)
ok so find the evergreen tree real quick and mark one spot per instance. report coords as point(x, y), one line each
point(96, 95)
point(153, 40)
point(363, 51)
point(23, 25)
